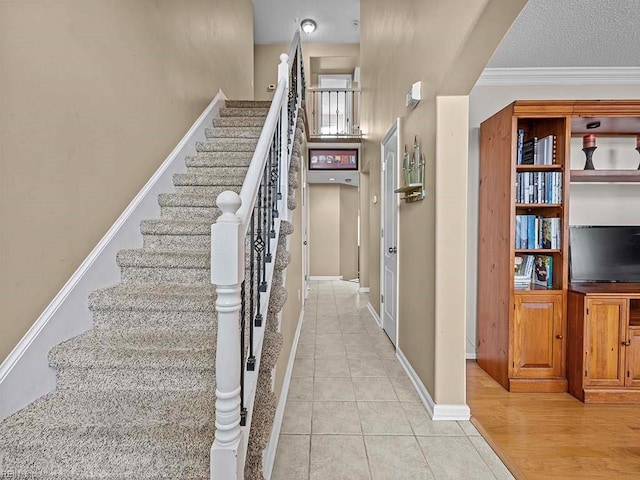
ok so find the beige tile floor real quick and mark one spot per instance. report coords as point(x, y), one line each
point(352, 412)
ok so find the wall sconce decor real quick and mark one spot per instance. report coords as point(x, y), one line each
point(413, 166)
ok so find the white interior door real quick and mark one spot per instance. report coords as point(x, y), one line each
point(389, 243)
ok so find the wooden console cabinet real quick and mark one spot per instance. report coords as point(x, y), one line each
point(603, 348)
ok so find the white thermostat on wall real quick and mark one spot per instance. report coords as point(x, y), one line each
point(413, 95)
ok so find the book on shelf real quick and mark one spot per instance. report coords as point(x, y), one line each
point(523, 269)
point(536, 151)
point(533, 232)
point(543, 271)
point(519, 147)
point(547, 150)
point(530, 151)
point(539, 187)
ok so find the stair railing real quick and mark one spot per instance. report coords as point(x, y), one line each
point(333, 112)
point(243, 248)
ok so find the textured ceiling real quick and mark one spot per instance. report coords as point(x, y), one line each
point(275, 20)
point(548, 33)
point(573, 33)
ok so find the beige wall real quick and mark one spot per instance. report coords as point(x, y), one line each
point(324, 230)
point(445, 44)
point(589, 203)
point(333, 230)
point(93, 97)
point(349, 200)
point(267, 58)
point(294, 286)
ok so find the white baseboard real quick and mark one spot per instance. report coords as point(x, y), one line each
point(364, 289)
point(436, 411)
point(471, 356)
point(325, 277)
point(374, 314)
point(25, 374)
point(269, 455)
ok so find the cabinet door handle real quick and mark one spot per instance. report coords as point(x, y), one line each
point(559, 337)
point(626, 344)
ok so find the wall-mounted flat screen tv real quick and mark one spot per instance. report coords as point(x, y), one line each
point(604, 254)
point(333, 159)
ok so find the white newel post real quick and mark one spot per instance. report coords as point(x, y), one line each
point(227, 258)
point(283, 74)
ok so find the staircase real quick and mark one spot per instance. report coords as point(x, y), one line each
point(136, 394)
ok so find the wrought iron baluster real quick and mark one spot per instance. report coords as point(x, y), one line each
point(279, 161)
point(274, 184)
point(251, 361)
point(266, 220)
point(243, 409)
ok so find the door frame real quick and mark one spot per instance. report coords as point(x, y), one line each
point(305, 231)
point(397, 130)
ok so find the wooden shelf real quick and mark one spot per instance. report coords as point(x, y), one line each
point(538, 205)
point(539, 168)
point(614, 176)
point(538, 251)
point(413, 192)
point(533, 288)
point(413, 187)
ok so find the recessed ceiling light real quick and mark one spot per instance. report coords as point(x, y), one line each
point(331, 179)
point(308, 25)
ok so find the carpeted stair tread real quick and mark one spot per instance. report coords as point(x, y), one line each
point(208, 179)
point(248, 103)
point(228, 145)
point(175, 234)
point(186, 200)
point(239, 122)
point(175, 227)
point(89, 351)
point(152, 297)
point(124, 410)
point(143, 257)
point(244, 112)
point(161, 453)
point(219, 171)
point(233, 132)
point(220, 159)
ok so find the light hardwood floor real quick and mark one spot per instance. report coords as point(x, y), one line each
point(554, 436)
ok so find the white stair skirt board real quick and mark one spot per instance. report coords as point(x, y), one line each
point(325, 277)
point(25, 374)
point(374, 314)
point(436, 411)
point(269, 454)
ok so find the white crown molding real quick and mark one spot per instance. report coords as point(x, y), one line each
point(492, 77)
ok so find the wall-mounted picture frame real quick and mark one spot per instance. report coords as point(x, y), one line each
point(333, 159)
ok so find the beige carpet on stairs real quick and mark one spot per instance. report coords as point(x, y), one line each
point(136, 393)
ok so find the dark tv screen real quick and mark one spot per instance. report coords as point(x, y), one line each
point(604, 253)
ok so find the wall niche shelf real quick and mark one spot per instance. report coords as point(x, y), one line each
point(412, 192)
point(605, 176)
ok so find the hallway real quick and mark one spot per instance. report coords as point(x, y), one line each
point(352, 412)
